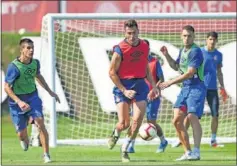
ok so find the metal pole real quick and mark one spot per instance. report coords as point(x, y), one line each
point(62, 6)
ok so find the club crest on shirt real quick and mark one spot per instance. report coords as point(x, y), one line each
point(182, 60)
point(215, 58)
point(137, 54)
point(29, 71)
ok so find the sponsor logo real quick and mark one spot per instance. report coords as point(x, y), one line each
point(29, 71)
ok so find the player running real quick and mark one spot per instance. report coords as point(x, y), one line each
point(128, 71)
point(24, 102)
point(152, 109)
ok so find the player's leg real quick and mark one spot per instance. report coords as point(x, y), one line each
point(37, 115)
point(152, 111)
point(213, 102)
point(20, 123)
point(139, 106)
point(178, 121)
point(123, 123)
point(195, 105)
point(35, 136)
point(138, 114)
point(177, 143)
point(44, 138)
point(181, 131)
point(122, 104)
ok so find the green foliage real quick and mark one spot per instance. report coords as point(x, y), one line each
point(10, 48)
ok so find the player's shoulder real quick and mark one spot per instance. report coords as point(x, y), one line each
point(196, 51)
point(13, 64)
point(36, 60)
point(196, 48)
point(203, 48)
point(217, 52)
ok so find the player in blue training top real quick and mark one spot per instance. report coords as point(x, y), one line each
point(152, 109)
point(24, 102)
point(193, 92)
point(212, 71)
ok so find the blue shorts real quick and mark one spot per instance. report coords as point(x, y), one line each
point(138, 85)
point(152, 109)
point(20, 118)
point(193, 98)
point(213, 102)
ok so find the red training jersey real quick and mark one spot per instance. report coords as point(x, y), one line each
point(134, 60)
point(152, 65)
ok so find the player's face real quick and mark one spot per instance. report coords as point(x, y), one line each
point(131, 34)
point(188, 37)
point(27, 50)
point(211, 42)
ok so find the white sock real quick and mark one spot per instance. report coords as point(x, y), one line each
point(188, 152)
point(133, 142)
point(213, 136)
point(126, 143)
point(116, 133)
point(34, 132)
point(46, 154)
point(162, 139)
point(196, 150)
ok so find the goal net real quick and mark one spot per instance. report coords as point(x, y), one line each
point(75, 57)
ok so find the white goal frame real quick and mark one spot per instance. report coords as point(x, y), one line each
point(106, 16)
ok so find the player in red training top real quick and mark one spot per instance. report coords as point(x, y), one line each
point(128, 71)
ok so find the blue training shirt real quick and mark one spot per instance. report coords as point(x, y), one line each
point(212, 59)
point(195, 60)
point(12, 74)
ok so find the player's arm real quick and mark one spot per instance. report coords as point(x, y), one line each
point(155, 92)
point(114, 66)
point(221, 81)
point(149, 77)
point(220, 76)
point(40, 79)
point(173, 64)
point(189, 74)
point(9, 91)
point(159, 73)
point(11, 75)
point(195, 60)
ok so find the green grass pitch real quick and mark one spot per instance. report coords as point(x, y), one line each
point(12, 154)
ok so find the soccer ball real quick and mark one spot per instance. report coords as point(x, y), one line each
point(147, 131)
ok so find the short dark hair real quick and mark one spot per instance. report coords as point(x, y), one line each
point(147, 42)
point(130, 24)
point(25, 40)
point(188, 28)
point(212, 34)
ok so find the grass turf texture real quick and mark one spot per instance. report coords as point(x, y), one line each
point(12, 154)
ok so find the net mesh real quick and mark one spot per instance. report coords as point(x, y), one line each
point(86, 118)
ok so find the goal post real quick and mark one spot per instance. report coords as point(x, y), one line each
point(76, 48)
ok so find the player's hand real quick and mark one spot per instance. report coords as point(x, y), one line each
point(129, 93)
point(164, 50)
point(165, 84)
point(55, 96)
point(153, 94)
point(223, 94)
point(23, 106)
